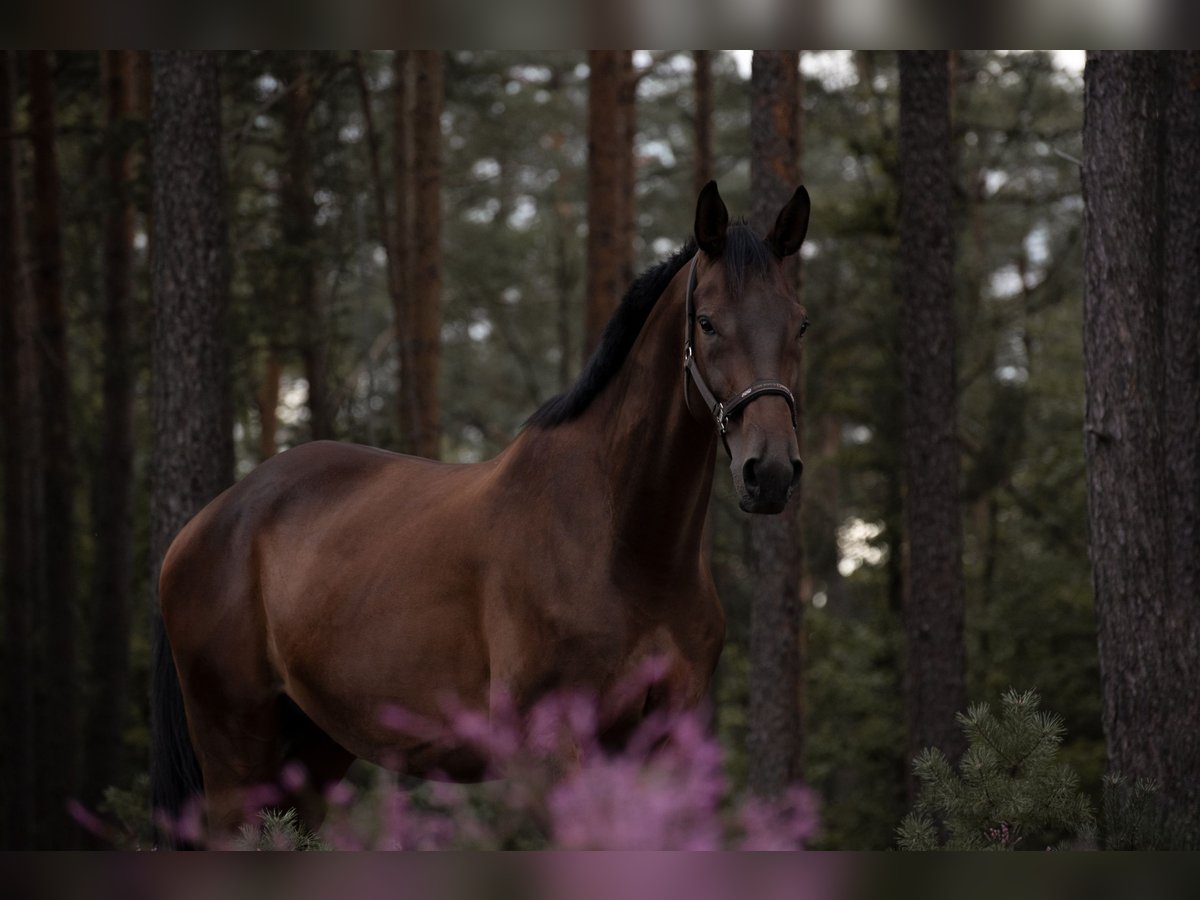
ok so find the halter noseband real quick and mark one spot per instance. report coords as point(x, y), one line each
point(720, 411)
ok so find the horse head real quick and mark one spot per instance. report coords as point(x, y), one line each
point(742, 350)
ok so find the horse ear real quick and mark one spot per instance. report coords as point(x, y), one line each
point(791, 226)
point(712, 220)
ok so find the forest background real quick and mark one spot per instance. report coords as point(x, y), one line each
point(489, 207)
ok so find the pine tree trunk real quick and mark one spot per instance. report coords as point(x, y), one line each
point(299, 237)
point(112, 574)
point(59, 736)
point(1181, 438)
point(606, 186)
point(19, 446)
point(702, 119)
point(403, 245)
point(427, 266)
point(191, 292)
point(933, 598)
point(627, 110)
point(268, 405)
point(1140, 149)
point(774, 743)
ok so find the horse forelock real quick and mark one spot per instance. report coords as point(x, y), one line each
point(746, 255)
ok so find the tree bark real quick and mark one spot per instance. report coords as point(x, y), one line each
point(1140, 150)
point(775, 740)
point(627, 237)
point(299, 237)
point(1181, 298)
point(268, 404)
point(191, 293)
point(933, 597)
point(702, 119)
point(403, 245)
point(114, 510)
point(427, 266)
point(59, 736)
point(1181, 438)
point(19, 446)
point(609, 209)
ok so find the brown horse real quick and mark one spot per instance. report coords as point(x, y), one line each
point(336, 581)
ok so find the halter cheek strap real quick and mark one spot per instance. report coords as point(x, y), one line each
point(721, 411)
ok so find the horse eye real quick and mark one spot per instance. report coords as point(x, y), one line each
point(803, 327)
point(706, 325)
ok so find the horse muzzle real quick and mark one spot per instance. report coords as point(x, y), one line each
point(765, 484)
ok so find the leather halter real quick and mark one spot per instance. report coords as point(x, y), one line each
point(721, 411)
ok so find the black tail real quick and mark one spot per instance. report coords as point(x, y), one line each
point(174, 772)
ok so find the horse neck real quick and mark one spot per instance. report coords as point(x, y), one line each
point(658, 459)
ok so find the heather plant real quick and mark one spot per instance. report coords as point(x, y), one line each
point(557, 786)
point(553, 783)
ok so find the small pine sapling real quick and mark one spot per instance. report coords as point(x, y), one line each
point(1009, 791)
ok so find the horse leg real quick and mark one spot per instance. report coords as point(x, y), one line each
point(323, 763)
point(241, 750)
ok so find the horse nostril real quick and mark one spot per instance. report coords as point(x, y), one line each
point(750, 475)
point(797, 471)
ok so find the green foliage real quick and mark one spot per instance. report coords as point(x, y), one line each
point(1009, 791)
point(514, 184)
point(278, 830)
point(1131, 820)
point(129, 810)
point(855, 725)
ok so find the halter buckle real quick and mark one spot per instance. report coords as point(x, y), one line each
point(719, 415)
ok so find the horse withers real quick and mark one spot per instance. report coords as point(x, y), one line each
point(336, 582)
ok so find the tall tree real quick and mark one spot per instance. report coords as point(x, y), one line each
point(933, 596)
point(59, 738)
point(627, 104)
point(702, 117)
point(1141, 146)
point(190, 286)
point(774, 743)
point(299, 236)
point(19, 446)
point(402, 250)
point(610, 153)
point(426, 318)
point(1181, 298)
point(267, 401)
point(112, 571)
point(1181, 416)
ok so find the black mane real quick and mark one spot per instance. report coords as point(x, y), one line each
point(745, 252)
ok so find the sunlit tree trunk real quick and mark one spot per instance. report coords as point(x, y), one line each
point(775, 742)
point(59, 735)
point(610, 107)
point(114, 509)
point(299, 236)
point(1141, 149)
point(267, 401)
point(933, 596)
point(403, 245)
point(427, 266)
point(627, 237)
